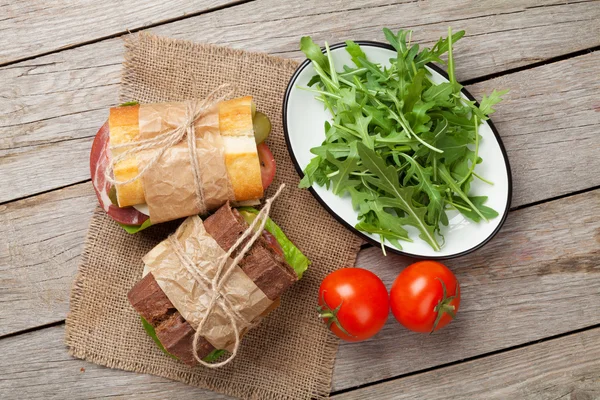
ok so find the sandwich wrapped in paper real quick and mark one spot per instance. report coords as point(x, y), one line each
point(152, 163)
point(173, 302)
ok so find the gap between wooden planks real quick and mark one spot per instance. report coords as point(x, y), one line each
point(548, 123)
point(537, 278)
point(36, 365)
point(67, 122)
point(55, 103)
point(561, 368)
point(38, 27)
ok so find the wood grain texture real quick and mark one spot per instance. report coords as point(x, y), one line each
point(33, 27)
point(36, 365)
point(534, 280)
point(64, 96)
point(564, 368)
point(549, 124)
point(539, 277)
point(42, 242)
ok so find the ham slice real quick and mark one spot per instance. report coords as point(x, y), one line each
point(99, 162)
point(263, 264)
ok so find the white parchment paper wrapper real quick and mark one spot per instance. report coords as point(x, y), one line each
point(190, 299)
point(169, 186)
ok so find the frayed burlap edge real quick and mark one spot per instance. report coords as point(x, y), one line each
point(127, 73)
point(322, 385)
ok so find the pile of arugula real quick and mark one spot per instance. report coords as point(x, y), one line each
point(404, 148)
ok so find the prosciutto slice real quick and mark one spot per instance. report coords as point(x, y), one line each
point(99, 162)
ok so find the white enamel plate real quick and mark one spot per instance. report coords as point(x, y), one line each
point(303, 122)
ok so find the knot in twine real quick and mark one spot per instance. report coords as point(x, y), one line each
point(215, 285)
point(195, 109)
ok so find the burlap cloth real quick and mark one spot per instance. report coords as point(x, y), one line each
point(291, 354)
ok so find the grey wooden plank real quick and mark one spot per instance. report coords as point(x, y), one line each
point(36, 365)
point(549, 122)
point(563, 368)
point(33, 27)
point(64, 96)
point(42, 240)
point(534, 280)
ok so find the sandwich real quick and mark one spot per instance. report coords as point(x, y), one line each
point(139, 184)
point(169, 302)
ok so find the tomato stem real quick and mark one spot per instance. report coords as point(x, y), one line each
point(329, 315)
point(443, 306)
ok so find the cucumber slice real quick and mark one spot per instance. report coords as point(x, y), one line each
point(112, 195)
point(262, 127)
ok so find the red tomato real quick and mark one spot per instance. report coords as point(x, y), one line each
point(354, 303)
point(425, 296)
point(267, 164)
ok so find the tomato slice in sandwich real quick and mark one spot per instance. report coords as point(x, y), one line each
point(267, 164)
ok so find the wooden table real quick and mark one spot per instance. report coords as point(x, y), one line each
point(529, 325)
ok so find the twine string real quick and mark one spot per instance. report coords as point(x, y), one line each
point(194, 111)
point(224, 270)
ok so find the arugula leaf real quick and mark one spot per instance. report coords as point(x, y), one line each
point(312, 174)
point(477, 202)
point(388, 181)
point(490, 101)
point(436, 203)
point(453, 185)
point(355, 52)
point(361, 126)
point(403, 147)
point(413, 91)
point(313, 52)
point(439, 93)
point(397, 41)
point(341, 181)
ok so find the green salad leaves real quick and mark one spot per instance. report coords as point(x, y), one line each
point(293, 256)
point(403, 147)
point(215, 354)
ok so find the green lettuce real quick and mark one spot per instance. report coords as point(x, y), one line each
point(294, 257)
point(216, 353)
point(136, 228)
point(152, 333)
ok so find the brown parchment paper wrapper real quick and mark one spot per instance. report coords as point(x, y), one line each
point(291, 354)
point(190, 298)
point(169, 186)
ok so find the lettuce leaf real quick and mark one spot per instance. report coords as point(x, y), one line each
point(152, 333)
point(294, 257)
point(136, 228)
point(216, 353)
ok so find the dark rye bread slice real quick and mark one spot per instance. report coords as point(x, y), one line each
point(174, 332)
point(263, 264)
